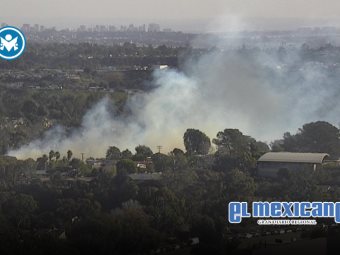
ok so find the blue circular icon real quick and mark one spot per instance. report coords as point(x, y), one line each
point(12, 43)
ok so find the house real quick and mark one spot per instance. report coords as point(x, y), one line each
point(271, 163)
point(42, 175)
point(144, 165)
point(101, 163)
point(141, 165)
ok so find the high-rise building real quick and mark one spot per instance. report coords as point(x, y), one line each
point(142, 28)
point(36, 28)
point(112, 28)
point(26, 28)
point(82, 28)
point(153, 27)
point(102, 28)
point(96, 28)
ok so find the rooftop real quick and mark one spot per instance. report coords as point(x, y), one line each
point(293, 157)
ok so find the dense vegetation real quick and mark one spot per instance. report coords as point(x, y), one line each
point(112, 213)
point(64, 56)
point(78, 208)
point(25, 114)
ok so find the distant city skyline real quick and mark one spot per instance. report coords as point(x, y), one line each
point(153, 27)
point(185, 15)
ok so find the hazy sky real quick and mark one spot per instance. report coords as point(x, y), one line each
point(186, 14)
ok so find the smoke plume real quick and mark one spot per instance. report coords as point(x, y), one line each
point(264, 93)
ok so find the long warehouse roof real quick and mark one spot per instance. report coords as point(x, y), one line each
point(293, 157)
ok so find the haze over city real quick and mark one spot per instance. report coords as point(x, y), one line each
point(189, 15)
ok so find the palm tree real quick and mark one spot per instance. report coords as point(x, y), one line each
point(69, 155)
point(57, 155)
point(51, 155)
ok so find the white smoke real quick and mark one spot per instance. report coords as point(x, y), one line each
point(256, 93)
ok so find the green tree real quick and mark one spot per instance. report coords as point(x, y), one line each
point(69, 155)
point(236, 150)
point(277, 146)
point(20, 208)
point(41, 162)
point(167, 210)
point(126, 154)
point(142, 152)
point(113, 153)
point(126, 165)
point(204, 227)
point(29, 109)
point(233, 142)
point(75, 163)
point(57, 155)
point(177, 152)
point(10, 169)
point(239, 185)
point(51, 155)
point(161, 162)
point(196, 142)
point(179, 159)
point(317, 136)
point(257, 149)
